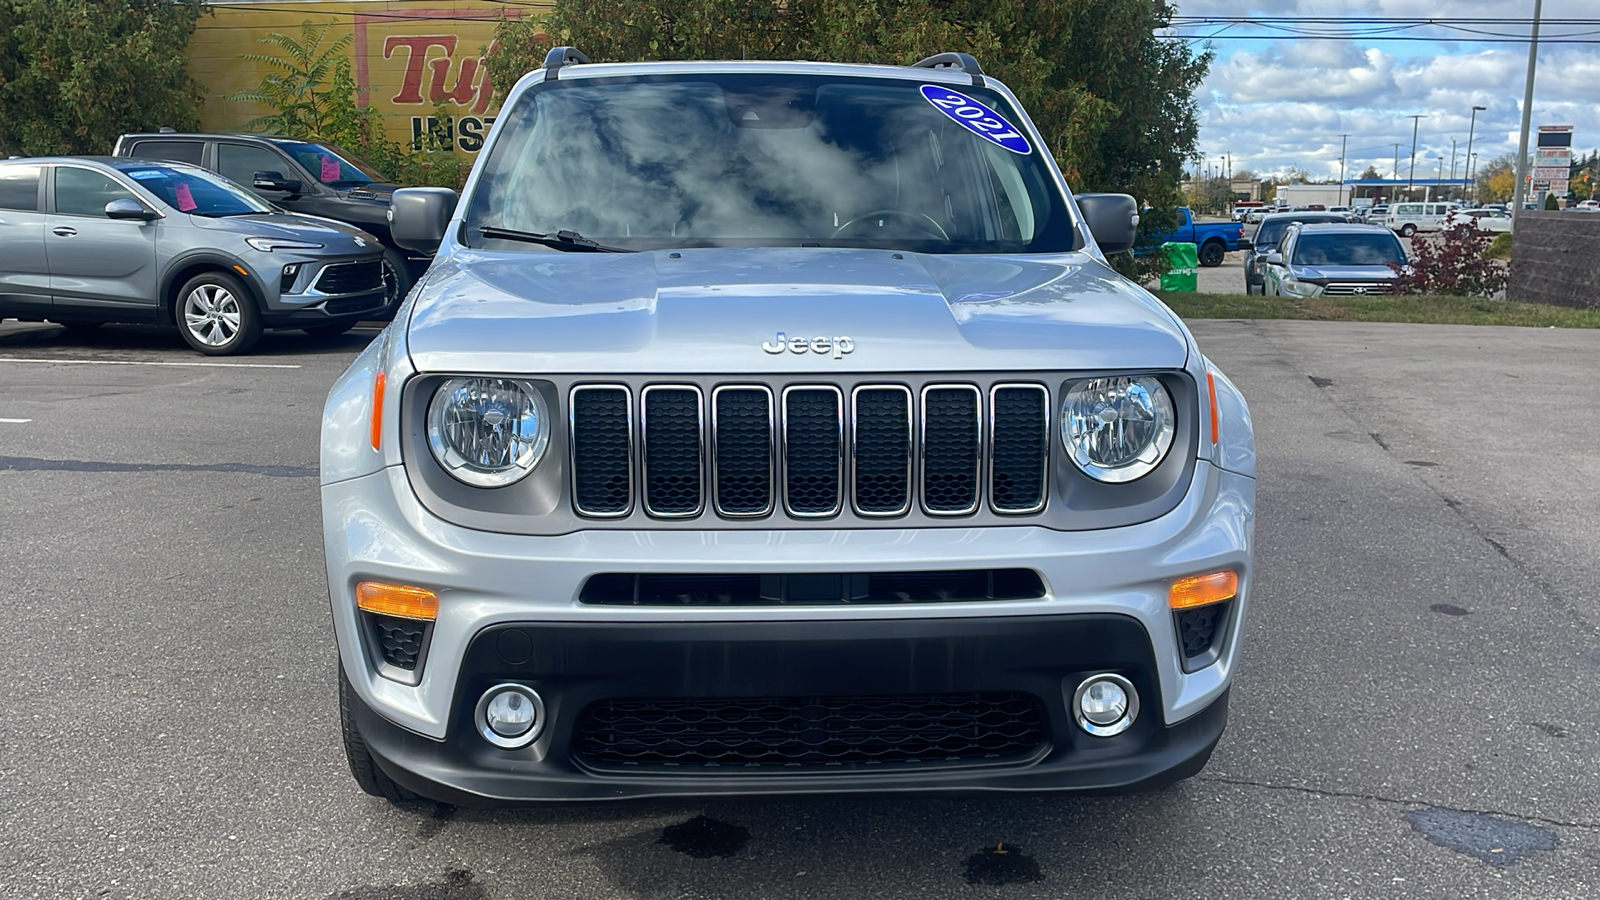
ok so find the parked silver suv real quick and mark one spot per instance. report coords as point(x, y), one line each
point(772, 427)
point(85, 241)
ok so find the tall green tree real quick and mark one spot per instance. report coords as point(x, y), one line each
point(76, 74)
point(1114, 101)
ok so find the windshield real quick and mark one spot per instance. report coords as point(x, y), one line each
point(1271, 231)
point(1348, 250)
point(197, 191)
point(330, 165)
point(769, 160)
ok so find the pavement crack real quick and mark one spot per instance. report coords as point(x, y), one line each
point(1395, 801)
point(34, 464)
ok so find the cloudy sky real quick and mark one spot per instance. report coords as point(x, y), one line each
point(1279, 102)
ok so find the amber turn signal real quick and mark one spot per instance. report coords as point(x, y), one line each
point(397, 600)
point(377, 411)
point(1199, 590)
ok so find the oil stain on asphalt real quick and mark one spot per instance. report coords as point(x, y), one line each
point(1001, 864)
point(1498, 842)
point(703, 837)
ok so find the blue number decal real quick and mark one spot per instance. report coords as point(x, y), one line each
point(977, 118)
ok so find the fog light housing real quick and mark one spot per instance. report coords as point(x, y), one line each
point(1105, 705)
point(510, 716)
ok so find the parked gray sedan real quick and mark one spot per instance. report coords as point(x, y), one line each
point(84, 241)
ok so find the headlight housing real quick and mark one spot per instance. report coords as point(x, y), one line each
point(267, 245)
point(1119, 428)
point(488, 432)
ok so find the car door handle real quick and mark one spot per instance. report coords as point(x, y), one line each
point(64, 231)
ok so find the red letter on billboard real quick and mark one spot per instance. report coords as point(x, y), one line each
point(411, 87)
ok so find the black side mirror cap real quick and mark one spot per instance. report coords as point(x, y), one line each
point(419, 217)
point(1245, 243)
point(130, 210)
point(274, 181)
point(1113, 219)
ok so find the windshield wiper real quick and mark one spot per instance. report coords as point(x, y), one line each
point(570, 241)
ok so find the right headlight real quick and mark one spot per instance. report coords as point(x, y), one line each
point(1117, 429)
point(488, 432)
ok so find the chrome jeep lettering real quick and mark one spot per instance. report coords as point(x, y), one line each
point(839, 345)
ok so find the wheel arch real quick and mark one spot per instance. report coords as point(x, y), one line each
point(187, 267)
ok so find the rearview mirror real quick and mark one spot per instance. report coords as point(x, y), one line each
point(418, 217)
point(274, 181)
point(1113, 219)
point(129, 209)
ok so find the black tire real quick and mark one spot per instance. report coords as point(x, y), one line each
point(1407, 230)
point(1211, 254)
point(216, 314)
point(367, 774)
point(396, 279)
point(328, 331)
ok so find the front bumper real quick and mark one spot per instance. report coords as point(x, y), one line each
point(1104, 609)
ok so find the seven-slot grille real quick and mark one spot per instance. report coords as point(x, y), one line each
point(810, 451)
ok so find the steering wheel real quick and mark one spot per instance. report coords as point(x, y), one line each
point(923, 223)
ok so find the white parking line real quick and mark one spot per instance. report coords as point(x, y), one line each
point(133, 362)
point(15, 421)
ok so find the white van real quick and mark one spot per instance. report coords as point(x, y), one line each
point(1410, 218)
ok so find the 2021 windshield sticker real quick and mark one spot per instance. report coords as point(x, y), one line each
point(977, 118)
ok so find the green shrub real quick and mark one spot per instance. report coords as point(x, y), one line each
point(1500, 247)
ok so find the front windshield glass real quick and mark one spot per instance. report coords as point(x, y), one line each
point(196, 191)
point(330, 165)
point(766, 160)
point(1348, 250)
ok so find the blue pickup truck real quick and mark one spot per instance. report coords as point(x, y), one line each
point(1211, 239)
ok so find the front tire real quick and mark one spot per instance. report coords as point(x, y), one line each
point(1408, 230)
point(368, 776)
point(396, 279)
point(216, 314)
point(1211, 254)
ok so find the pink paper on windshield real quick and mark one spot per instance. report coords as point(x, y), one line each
point(330, 169)
point(186, 199)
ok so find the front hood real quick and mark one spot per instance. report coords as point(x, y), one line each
point(336, 237)
point(1324, 274)
point(712, 310)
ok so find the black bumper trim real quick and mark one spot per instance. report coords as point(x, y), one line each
point(573, 665)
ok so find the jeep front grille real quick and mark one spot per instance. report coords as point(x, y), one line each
point(810, 451)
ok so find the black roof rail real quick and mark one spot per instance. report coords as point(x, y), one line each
point(561, 56)
point(962, 61)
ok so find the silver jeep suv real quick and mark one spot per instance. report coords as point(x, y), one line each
point(776, 427)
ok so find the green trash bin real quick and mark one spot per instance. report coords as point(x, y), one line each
point(1184, 274)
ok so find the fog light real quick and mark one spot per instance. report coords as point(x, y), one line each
point(1105, 705)
point(510, 716)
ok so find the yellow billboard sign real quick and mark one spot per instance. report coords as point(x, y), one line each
point(408, 57)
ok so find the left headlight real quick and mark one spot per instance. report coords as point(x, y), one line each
point(267, 245)
point(488, 432)
point(1117, 429)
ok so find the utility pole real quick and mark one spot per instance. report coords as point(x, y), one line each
point(1344, 142)
point(1452, 166)
point(1396, 170)
point(1411, 178)
point(1470, 128)
point(1520, 192)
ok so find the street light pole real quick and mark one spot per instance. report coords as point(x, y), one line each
point(1470, 128)
point(1520, 191)
point(1344, 142)
point(1411, 179)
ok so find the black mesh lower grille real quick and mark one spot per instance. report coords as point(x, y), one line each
point(399, 640)
point(883, 450)
point(672, 451)
point(1021, 446)
point(347, 278)
point(601, 455)
point(950, 449)
point(1198, 628)
point(744, 451)
point(810, 732)
point(811, 588)
point(812, 450)
point(349, 305)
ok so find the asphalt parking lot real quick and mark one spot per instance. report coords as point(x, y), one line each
point(1415, 715)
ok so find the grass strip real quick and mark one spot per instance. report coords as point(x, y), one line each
point(1427, 309)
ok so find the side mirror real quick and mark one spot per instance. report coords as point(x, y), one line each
point(129, 210)
point(1246, 244)
point(1273, 258)
point(418, 217)
point(1113, 219)
point(274, 181)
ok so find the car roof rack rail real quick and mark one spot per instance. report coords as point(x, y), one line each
point(561, 56)
point(962, 61)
